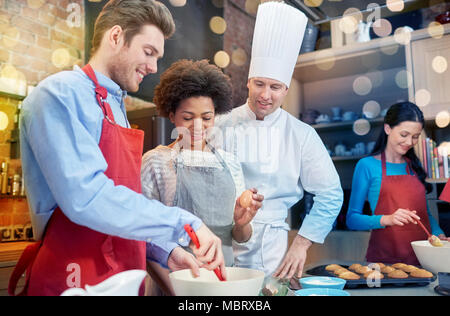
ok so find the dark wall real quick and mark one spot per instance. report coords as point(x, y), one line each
point(193, 38)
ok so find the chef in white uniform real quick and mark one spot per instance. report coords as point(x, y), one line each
point(280, 155)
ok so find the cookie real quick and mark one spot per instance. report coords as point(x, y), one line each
point(380, 265)
point(399, 265)
point(373, 275)
point(363, 269)
point(332, 267)
point(421, 273)
point(348, 275)
point(409, 268)
point(340, 270)
point(354, 266)
point(398, 274)
point(387, 269)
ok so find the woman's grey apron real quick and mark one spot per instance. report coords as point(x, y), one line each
point(210, 194)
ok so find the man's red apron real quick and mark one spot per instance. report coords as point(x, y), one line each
point(393, 243)
point(445, 195)
point(68, 250)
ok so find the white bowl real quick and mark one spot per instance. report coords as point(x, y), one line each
point(433, 259)
point(240, 282)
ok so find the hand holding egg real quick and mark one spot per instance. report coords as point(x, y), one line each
point(246, 206)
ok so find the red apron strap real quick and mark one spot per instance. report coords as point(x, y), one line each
point(383, 164)
point(25, 262)
point(100, 93)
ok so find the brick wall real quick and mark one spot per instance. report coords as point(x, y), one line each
point(239, 35)
point(33, 34)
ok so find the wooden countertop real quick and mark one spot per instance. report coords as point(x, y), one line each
point(11, 251)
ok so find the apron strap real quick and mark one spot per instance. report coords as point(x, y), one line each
point(25, 263)
point(383, 164)
point(409, 169)
point(100, 94)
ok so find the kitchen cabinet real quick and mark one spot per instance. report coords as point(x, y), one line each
point(381, 70)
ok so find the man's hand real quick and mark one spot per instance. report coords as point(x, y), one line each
point(210, 251)
point(180, 259)
point(244, 215)
point(294, 260)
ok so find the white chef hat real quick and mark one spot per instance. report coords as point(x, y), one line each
point(278, 36)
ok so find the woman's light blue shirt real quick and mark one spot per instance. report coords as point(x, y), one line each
point(366, 186)
point(60, 130)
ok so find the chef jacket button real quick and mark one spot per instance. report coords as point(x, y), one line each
point(181, 240)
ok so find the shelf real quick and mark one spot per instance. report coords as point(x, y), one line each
point(440, 180)
point(9, 196)
point(347, 158)
point(344, 125)
point(355, 58)
point(12, 96)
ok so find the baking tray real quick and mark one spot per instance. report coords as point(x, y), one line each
point(362, 282)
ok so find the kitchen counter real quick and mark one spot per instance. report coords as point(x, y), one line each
point(386, 290)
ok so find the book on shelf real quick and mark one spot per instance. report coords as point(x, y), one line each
point(434, 160)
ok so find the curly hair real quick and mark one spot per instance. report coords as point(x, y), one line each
point(187, 78)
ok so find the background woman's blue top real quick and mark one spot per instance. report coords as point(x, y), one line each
point(366, 186)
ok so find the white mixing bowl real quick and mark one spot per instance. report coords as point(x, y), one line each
point(433, 259)
point(240, 282)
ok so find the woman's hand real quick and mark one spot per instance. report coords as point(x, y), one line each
point(400, 217)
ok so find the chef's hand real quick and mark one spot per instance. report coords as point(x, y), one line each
point(210, 251)
point(242, 230)
point(180, 259)
point(400, 217)
point(293, 262)
point(244, 215)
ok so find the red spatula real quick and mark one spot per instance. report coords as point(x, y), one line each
point(434, 240)
point(194, 239)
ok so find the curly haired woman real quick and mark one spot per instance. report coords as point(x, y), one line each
point(191, 173)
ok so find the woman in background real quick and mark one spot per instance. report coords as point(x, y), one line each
point(393, 181)
point(191, 172)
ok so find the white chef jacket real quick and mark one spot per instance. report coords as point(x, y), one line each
point(281, 157)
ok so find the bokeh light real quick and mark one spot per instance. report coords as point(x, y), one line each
point(239, 57)
point(435, 30)
point(61, 58)
point(403, 79)
point(251, 6)
point(178, 3)
point(402, 35)
point(218, 25)
point(313, 3)
point(423, 97)
point(395, 5)
point(371, 109)
point(325, 59)
point(35, 4)
point(443, 119)
point(218, 3)
point(361, 127)
point(222, 59)
point(4, 121)
point(439, 64)
point(362, 85)
point(382, 27)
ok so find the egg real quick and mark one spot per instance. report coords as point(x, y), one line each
point(246, 198)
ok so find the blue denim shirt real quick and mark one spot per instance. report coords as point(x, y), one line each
point(60, 129)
